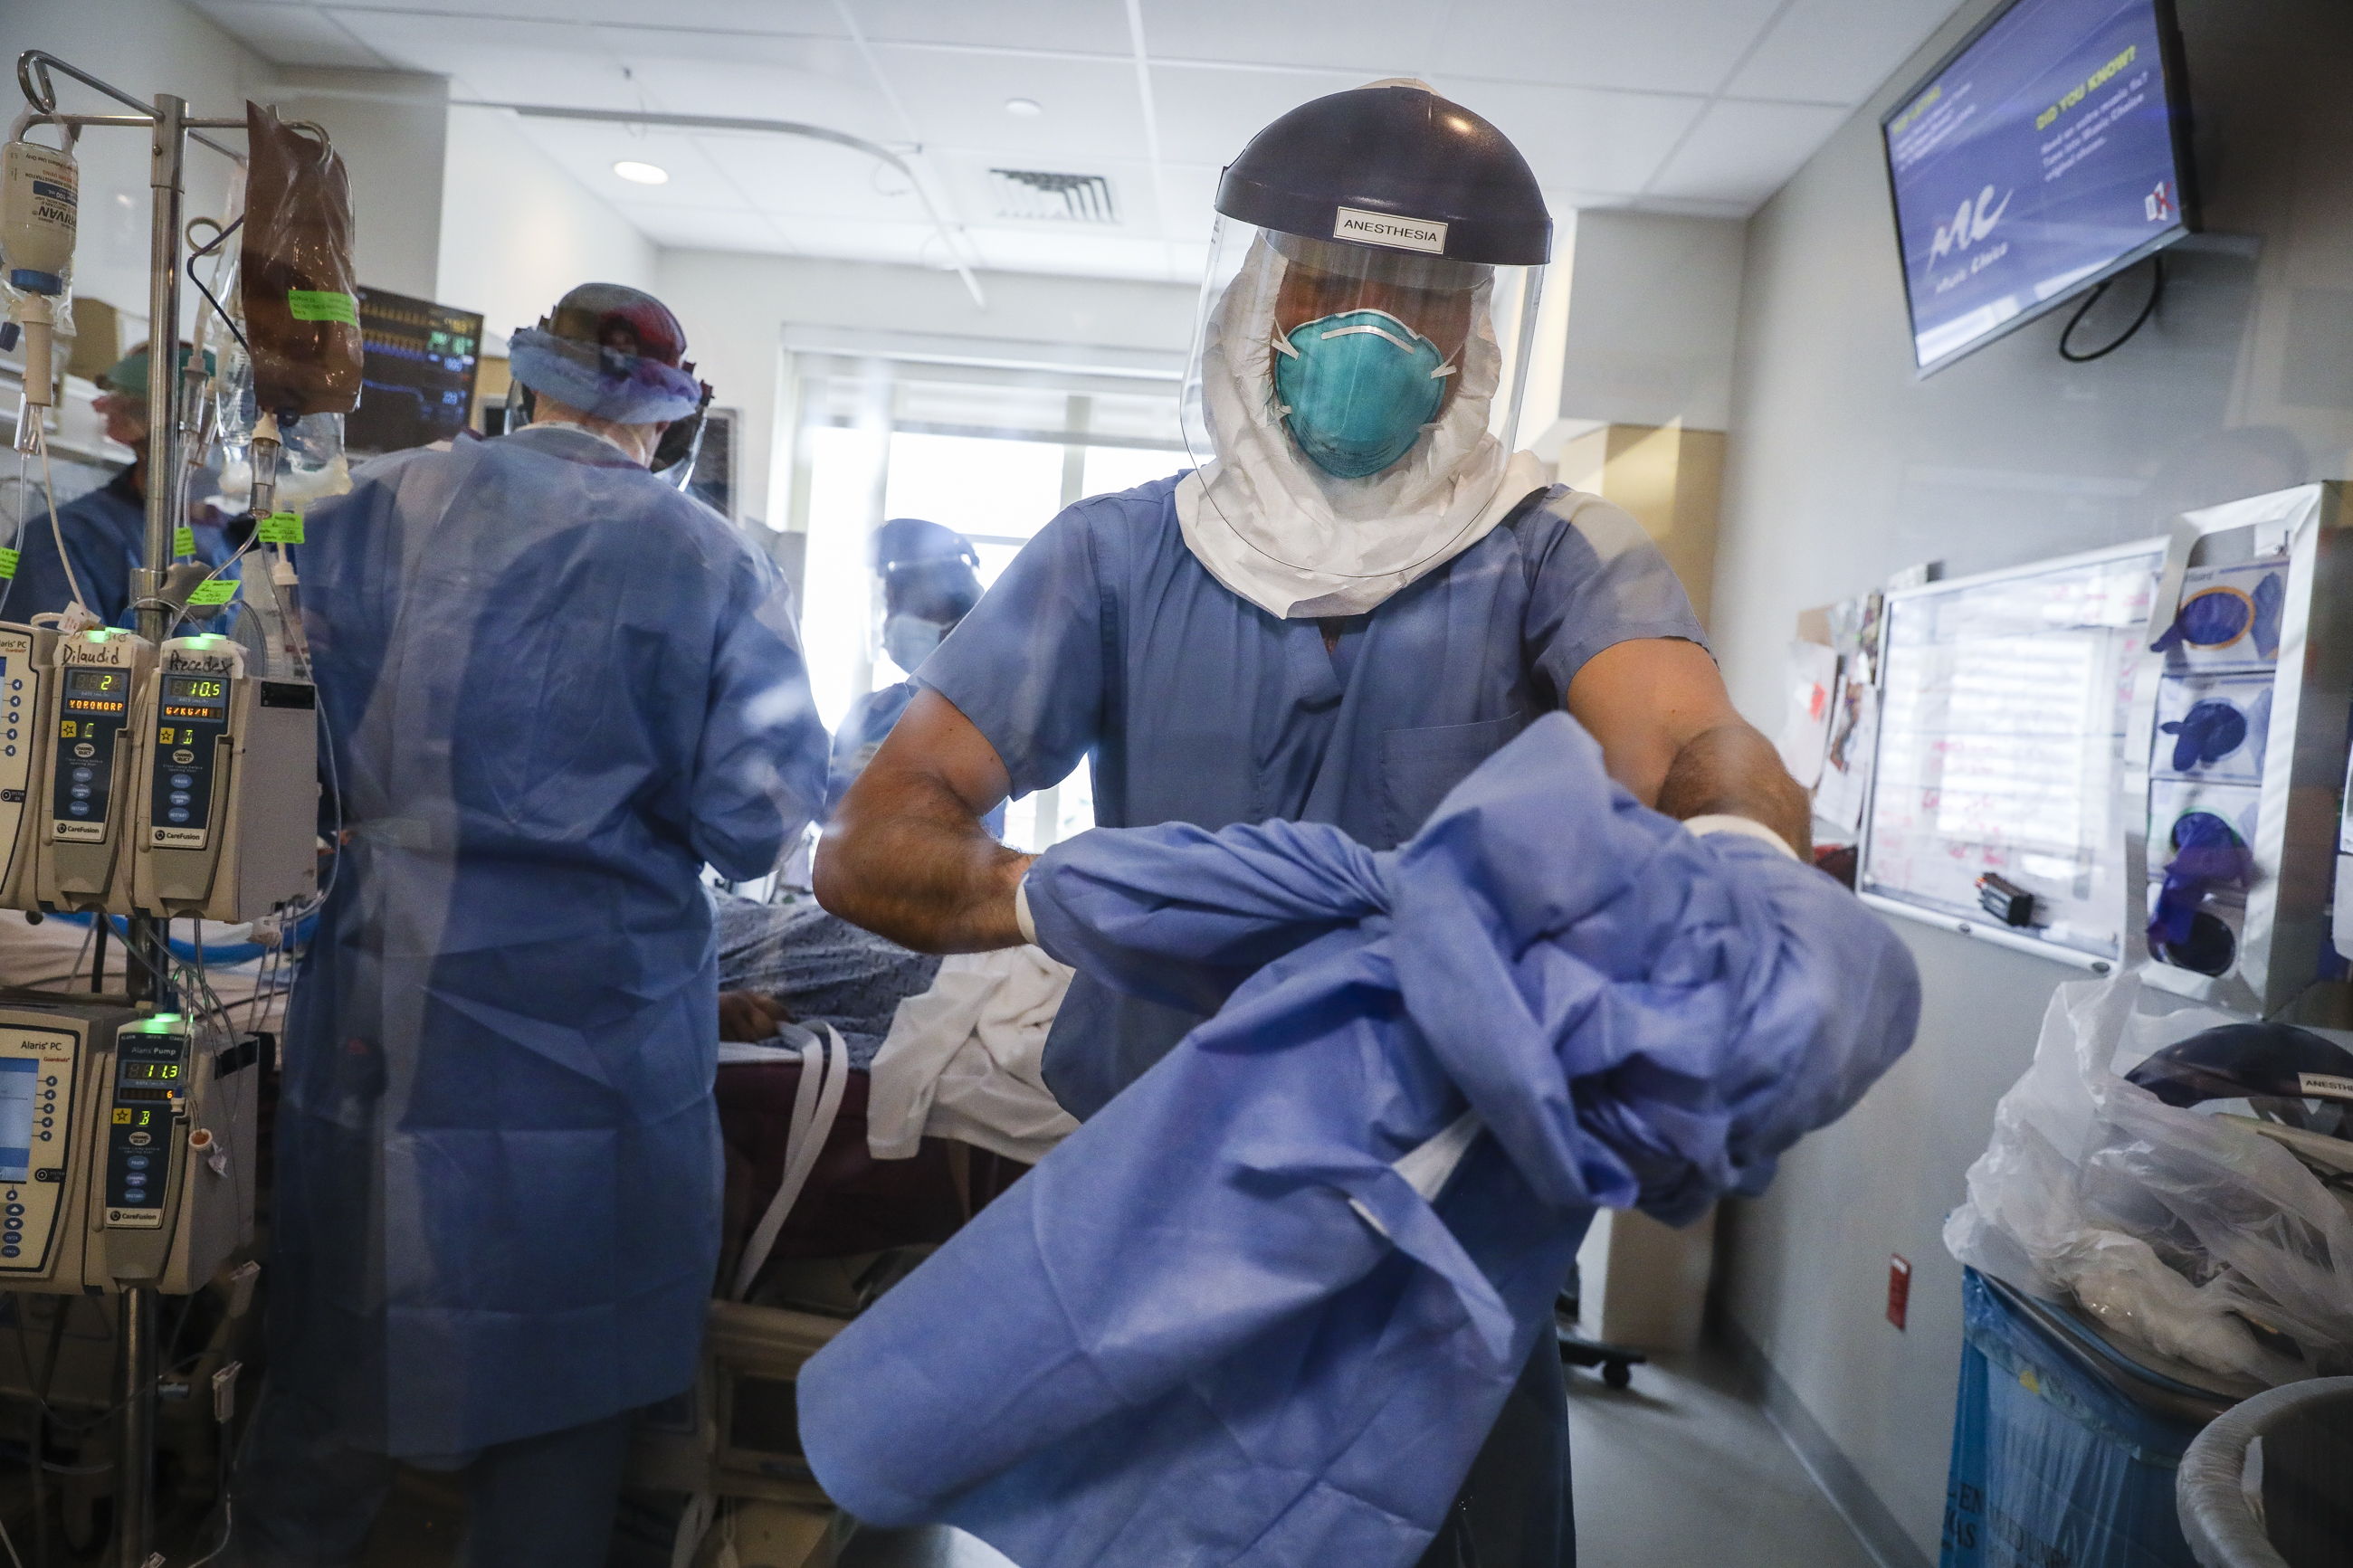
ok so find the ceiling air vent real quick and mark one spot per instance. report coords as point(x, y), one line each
point(1061, 199)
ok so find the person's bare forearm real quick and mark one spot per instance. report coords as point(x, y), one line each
point(904, 858)
point(1732, 769)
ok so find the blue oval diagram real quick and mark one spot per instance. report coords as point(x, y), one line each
point(2216, 617)
point(2210, 731)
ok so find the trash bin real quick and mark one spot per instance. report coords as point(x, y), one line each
point(2064, 1450)
point(2270, 1484)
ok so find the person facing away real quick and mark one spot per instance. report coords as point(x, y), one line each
point(1359, 599)
point(554, 687)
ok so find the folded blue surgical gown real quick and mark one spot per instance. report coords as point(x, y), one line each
point(1217, 1325)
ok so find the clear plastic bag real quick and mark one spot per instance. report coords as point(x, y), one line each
point(2186, 1233)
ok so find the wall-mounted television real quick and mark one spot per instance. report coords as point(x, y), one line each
point(2047, 153)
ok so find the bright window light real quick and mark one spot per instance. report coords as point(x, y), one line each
point(641, 174)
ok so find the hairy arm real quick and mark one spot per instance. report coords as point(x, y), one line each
point(1668, 733)
point(905, 855)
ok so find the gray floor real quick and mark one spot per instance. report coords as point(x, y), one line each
point(1676, 1471)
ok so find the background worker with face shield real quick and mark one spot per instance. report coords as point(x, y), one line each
point(1358, 596)
point(928, 585)
point(555, 687)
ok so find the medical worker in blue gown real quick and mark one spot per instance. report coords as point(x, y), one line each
point(556, 688)
point(1357, 596)
point(105, 530)
point(929, 584)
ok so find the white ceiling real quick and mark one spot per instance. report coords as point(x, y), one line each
point(1702, 107)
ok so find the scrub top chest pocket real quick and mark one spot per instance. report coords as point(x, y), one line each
point(1420, 766)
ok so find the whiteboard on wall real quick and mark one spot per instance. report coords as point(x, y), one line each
point(2005, 704)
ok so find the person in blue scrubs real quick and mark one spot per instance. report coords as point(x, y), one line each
point(929, 584)
point(555, 687)
point(105, 532)
point(1359, 597)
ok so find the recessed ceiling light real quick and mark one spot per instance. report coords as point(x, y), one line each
point(642, 174)
point(1024, 107)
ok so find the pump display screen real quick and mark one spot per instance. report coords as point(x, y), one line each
point(20, 1087)
point(149, 1072)
point(195, 688)
point(2045, 154)
point(112, 682)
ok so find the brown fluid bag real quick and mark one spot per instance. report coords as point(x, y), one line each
point(302, 307)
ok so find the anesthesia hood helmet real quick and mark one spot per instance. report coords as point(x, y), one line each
point(2298, 1078)
point(1350, 399)
point(617, 353)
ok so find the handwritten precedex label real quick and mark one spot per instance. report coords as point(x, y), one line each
point(280, 528)
point(322, 305)
point(1383, 228)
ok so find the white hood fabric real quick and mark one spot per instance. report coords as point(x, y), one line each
point(1297, 542)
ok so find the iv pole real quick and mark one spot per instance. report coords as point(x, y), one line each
point(148, 959)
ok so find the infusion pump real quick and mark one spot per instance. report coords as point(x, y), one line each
point(164, 782)
point(126, 1141)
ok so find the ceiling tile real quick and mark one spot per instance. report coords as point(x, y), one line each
point(1133, 193)
point(1368, 38)
point(1660, 46)
point(1188, 194)
point(957, 99)
point(812, 16)
point(587, 151)
point(1743, 152)
point(290, 34)
point(1082, 27)
point(1578, 137)
point(910, 244)
point(810, 81)
point(799, 177)
point(1837, 51)
point(709, 229)
point(1208, 114)
point(501, 60)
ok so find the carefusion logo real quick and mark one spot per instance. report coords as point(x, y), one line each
point(1386, 228)
point(1972, 223)
point(2158, 203)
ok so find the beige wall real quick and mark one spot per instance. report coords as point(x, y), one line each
point(1671, 478)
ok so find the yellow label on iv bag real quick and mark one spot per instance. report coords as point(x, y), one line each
point(322, 305)
point(280, 528)
point(8, 559)
point(184, 541)
point(213, 590)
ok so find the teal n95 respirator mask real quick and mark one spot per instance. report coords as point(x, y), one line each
point(1356, 388)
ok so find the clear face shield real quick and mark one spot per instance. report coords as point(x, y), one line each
point(1376, 370)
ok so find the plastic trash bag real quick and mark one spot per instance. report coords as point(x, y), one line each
point(2180, 1231)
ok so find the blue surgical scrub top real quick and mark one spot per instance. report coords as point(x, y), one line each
point(1105, 638)
point(106, 537)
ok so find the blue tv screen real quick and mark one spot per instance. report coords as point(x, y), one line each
point(2045, 153)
